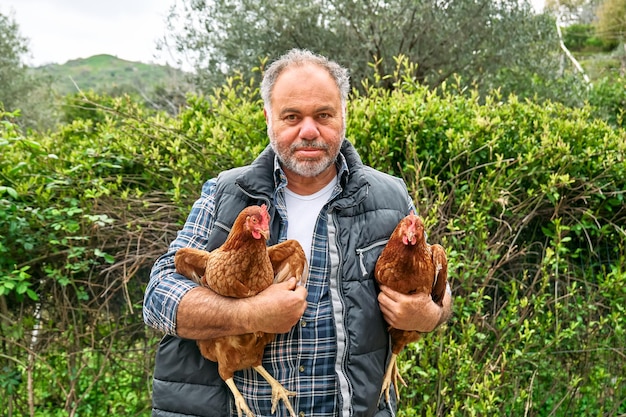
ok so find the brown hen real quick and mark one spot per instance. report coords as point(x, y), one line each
point(242, 267)
point(409, 265)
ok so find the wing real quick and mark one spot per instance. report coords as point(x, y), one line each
point(288, 260)
point(191, 263)
point(441, 273)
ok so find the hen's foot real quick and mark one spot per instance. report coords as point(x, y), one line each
point(392, 374)
point(240, 402)
point(278, 391)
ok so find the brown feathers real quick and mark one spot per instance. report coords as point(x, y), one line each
point(409, 265)
point(243, 267)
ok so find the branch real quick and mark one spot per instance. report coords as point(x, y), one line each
point(568, 53)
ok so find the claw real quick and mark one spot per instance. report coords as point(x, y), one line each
point(278, 391)
point(392, 374)
point(240, 402)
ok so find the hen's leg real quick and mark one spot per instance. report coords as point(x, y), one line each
point(278, 391)
point(391, 374)
point(240, 402)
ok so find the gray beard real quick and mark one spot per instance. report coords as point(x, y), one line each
point(304, 168)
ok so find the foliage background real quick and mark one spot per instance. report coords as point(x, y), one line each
point(528, 199)
point(502, 44)
point(515, 161)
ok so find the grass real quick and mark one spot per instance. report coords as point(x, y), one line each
point(108, 74)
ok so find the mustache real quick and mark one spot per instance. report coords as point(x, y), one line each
point(308, 145)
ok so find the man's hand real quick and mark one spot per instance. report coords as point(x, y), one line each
point(277, 308)
point(203, 314)
point(413, 312)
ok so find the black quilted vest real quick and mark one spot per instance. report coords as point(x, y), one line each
point(360, 221)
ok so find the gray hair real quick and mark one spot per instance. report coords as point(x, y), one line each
point(300, 57)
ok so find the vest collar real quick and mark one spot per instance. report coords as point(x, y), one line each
point(260, 179)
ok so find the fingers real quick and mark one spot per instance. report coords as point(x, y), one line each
point(409, 312)
point(390, 294)
point(292, 283)
point(282, 304)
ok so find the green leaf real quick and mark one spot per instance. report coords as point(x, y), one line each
point(108, 258)
point(9, 190)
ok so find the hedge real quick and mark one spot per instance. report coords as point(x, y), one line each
point(528, 199)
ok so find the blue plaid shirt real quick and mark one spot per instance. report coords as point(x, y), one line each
point(302, 360)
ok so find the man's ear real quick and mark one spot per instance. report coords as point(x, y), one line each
point(265, 114)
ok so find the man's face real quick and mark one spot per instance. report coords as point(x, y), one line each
point(306, 124)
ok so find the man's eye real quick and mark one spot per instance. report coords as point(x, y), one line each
point(324, 116)
point(291, 118)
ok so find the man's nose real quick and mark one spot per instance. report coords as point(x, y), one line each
point(309, 130)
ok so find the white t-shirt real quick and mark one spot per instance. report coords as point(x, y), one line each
point(302, 212)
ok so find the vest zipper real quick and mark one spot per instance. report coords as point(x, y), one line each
point(361, 251)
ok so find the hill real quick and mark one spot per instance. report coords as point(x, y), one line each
point(109, 74)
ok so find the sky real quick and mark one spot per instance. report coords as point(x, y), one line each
point(62, 30)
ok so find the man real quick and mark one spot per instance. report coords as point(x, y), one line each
point(332, 345)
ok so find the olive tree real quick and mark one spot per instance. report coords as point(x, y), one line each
point(573, 11)
point(13, 73)
point(20, 88)
point(489, 44)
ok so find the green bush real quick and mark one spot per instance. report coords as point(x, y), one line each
point(528, 199)
point(607, 99)
point(581, 37)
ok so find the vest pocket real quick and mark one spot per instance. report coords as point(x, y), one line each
point(367, 257)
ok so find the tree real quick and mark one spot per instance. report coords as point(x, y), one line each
point(611, 26)
point(13, 73)
point(573, 11)
point(474, 39)
point(19, 87)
